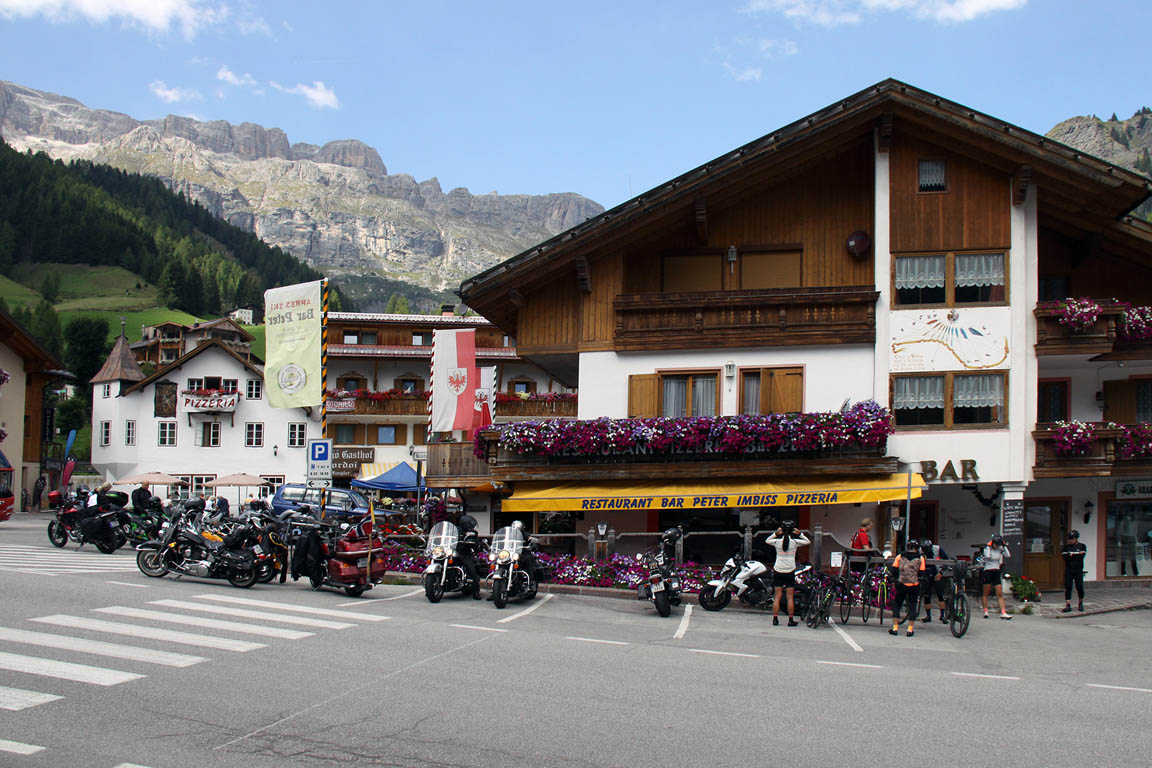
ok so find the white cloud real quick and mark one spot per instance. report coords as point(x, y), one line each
point(173, 95)
point(189, 16)
point(773, 48)
point(830, 13)
point(254, 26)
point(745, 74)
point(230, 77)
point(318, 95)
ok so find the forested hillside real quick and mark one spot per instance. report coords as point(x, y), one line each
point(84, 213)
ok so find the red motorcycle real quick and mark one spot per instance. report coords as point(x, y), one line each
point(336, 555)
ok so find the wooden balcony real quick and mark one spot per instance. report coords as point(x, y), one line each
point(536, 409)
point(1102, 460)
point(772, 317)
point(1052, 338)
point(454, 465)
point(404, 405)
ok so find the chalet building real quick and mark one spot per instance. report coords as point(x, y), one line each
point(163, 343)
point(894, 246)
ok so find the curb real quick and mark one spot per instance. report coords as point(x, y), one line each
point(1096, 611)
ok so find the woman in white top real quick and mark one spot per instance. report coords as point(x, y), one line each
point(995, 554)
point(785, 541)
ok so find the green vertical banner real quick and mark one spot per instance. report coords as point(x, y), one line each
point(292, 371)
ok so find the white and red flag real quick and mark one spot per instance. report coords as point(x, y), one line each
point(454, 380)
point(485, 407)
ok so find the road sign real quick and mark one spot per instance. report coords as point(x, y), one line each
point(319, 459)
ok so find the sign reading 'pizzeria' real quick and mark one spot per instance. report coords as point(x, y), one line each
point(214, 403)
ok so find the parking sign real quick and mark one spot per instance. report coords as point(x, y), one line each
point(320, 460)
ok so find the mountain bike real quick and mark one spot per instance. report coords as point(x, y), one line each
point(856, 588)
point(956, 604)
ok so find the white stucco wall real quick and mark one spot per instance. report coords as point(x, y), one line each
point(12, 420)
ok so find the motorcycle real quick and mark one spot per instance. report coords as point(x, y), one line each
point(182, 548)
point(662, 585)
point(509, 579)
point(336, 555)
point(748, 580)
point(445, 571)
point(100, 525)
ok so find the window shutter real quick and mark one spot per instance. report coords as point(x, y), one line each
point(787, 390)
point(419, 434)
point(401, 434)
point(644, 395)
point(1120, 401)
point(199, 436)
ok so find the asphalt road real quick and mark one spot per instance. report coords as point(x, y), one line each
point(303, 678)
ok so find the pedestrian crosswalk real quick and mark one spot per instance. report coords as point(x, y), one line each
point(49, 561)
point(32, 651)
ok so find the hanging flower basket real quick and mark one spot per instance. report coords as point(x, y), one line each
point(1136, 441)
point(1073, 438)
point(1135, 324)
point(1078, 315)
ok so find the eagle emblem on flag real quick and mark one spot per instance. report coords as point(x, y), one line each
point(458, 380)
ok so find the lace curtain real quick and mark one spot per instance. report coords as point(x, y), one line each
point(675, 397)
point(981, 391)
point(703, 395)
point(751, 403)
point(933, 176)
point(918, 392)
point(920, 272)
point(975, 269)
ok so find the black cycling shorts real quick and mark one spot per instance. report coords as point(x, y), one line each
point(783, 579)
point(990, 576)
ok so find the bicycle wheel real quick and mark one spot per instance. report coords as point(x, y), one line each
point(812, 614)
point(846, 601)
point(881, 598)
point(959, 616)
point(826, 605)
point(865, 602)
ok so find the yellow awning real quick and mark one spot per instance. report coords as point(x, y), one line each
point(657, 494)
point(368, 471)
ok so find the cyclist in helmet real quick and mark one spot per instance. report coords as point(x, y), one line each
point(1074, 553)
point(995, 553)
point(785, 541)
point(909, 567)
point(933, 579)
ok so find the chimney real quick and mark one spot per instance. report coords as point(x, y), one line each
point(447, 310)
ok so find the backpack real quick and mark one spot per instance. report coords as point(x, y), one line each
point(909, 569)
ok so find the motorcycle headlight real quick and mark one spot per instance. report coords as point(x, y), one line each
point(516, 556)
point(451, 553)
point(437, 552)
point(491, 558)
point(504, 556)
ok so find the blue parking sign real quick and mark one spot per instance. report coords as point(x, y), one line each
point(320, 460)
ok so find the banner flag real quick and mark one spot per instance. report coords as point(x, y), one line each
point(454, 380)
point(292, 316)
point(485, 406)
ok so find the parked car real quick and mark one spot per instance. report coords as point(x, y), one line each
point(7, 503)
point(338, 501)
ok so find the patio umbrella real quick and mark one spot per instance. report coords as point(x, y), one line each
point(152, 478)
point(240, 480)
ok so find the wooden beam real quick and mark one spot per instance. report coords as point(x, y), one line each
point(701, 222)
point(516, 298)
point(1020, 183)
point(584, 274)
point(885, 137)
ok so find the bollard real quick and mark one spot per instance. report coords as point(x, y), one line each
point(747, 542)
point(592, 542)
point(817, 540)
point(680, 549)
point(611, 542)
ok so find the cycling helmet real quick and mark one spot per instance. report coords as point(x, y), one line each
point(1074, 534)
point(926, 544)
point(788, 526)
point(467, 522)
point(519, 526)
point(998, 540)
point(672, 534)
point(155, 503)
point(912, 545)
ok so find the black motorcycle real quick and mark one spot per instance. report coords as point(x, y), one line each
point(100, 524)
point(510, 578)
point(447, 553)
point(183, 549)
point(662, 586)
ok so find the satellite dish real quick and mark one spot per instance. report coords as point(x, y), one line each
point(460, 309)
point(859, 242)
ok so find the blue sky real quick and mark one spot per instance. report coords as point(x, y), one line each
point(607, 99)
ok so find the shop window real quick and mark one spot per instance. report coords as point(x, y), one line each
point(345, 434)
point(932, 176)
point(1052, 401)
point(771, 390)
point(684, 273)
point(691, 394)
point(949, 279)
point(1128, 538)
point(949, 400)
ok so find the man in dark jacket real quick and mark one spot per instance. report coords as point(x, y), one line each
point(1074, 553)
point(140, 498)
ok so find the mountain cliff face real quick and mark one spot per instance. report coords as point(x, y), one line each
point(335, 207)
point(1127, 143)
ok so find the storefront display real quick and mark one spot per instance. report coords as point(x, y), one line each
point(1128, 539)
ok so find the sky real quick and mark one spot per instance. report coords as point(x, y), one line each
point(606, 99)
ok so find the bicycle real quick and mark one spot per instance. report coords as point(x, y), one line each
point(958, 613)
point(856, 588)
point(820, 609)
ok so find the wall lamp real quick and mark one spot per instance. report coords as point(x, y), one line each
point(1088, 507)
point(275, 448)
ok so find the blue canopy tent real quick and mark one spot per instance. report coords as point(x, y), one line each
point(401, 478)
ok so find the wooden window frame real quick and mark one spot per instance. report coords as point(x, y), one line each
point(254, 384)
point(947, 176)
point(950, 279)
point(522, 380)
point(130, 432)
point(160, 433)
point(303, 429)
point(690, 373)
point(336, 431)
point(1067, 382)
point(105, 434)
point(250, 439)
point(949, 423)
point(762, 370)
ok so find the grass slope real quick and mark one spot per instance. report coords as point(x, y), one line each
point(16, 295)
point(135, 320)
point(98, 288)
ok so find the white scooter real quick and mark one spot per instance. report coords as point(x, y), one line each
point(748, 580)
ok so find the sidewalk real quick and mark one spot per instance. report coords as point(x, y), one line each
point(1119, 596)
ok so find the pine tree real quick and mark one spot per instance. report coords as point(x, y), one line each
point(173, 284)
point(44, 325)
point(50, 288)
point(87, 339)
point(193, 302)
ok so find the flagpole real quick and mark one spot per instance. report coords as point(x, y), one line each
point(324, 380)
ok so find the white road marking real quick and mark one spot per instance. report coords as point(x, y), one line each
point(15, 698)
point(203, 621)
point(113, 650)
point(595, 640)
point(527, 610)
point(129, 765)
point(19, 748)
point(473, 626)
point(1119, 688)
point(680, 630)
point(245, 613)
point(65, 670)
point(150, 633)
point(126, 584)
point(847, 638)
point(851, 664)
point(725, 653)
point(293, 607)
point(990, 677)
point(383, 599)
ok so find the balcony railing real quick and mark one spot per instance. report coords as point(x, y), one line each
point(1052, 338)
point(455, 462)
point(1102, 458)
point(410, 404)
point(777, 317)
point(536, 409)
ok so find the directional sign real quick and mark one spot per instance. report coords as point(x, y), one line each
point(319, 459)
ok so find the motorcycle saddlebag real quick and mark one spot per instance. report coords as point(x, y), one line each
point(55, 498)
point(92, 527)
point(237, 559)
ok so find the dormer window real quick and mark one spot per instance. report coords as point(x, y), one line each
point(933, 176)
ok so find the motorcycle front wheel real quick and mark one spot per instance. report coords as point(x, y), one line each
point(56, 534)
point(663, 604)
point(265, 572)
point(711, 600)
point(433, 589)
point(243, 580)
point(151, 563)
point(499, 593)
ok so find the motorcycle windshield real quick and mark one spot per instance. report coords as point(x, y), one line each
point(507, 539)
point(443, 535)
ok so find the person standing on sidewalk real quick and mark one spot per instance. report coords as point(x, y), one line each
point(995, 554)
point(785, 541)
point(1074, 553)
point(909, 566)
point(38, 492)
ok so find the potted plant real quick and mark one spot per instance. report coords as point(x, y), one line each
point(1078, 315)
point(1073, 438)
